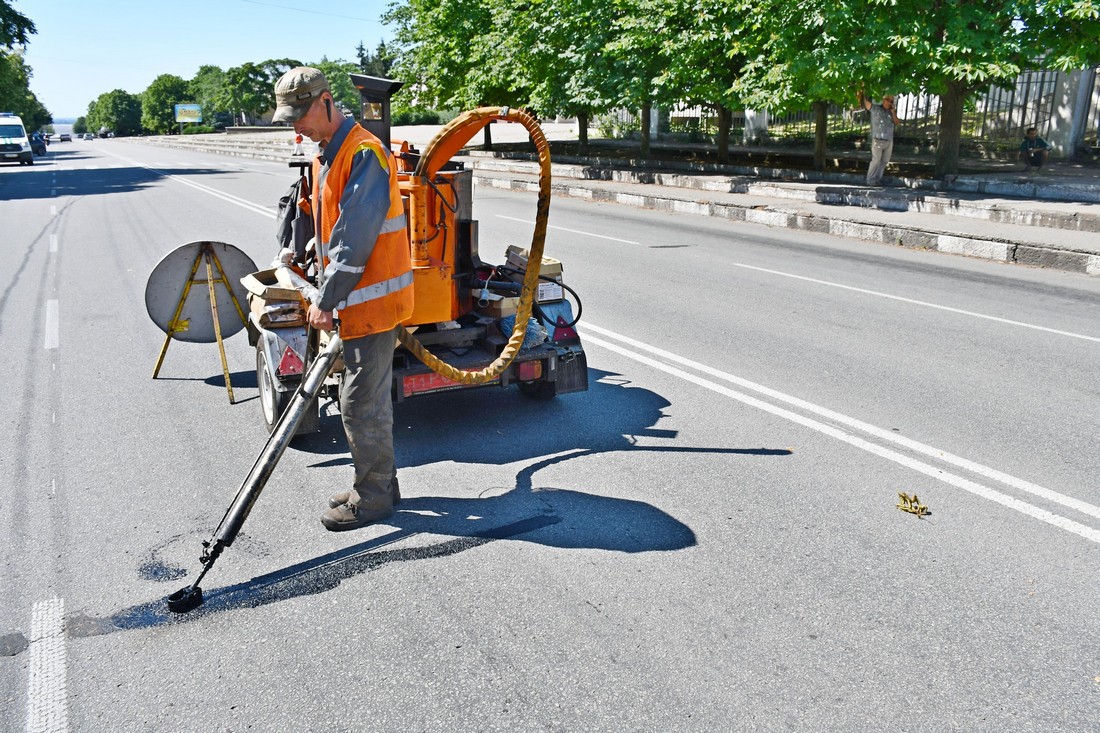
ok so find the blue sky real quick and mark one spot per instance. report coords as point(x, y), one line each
point(84, 48)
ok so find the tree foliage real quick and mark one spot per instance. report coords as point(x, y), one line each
point(558, 48)
point(450, 51)
point(247, 92)
point(339, 82)
point(585, 57)
point(159, 100)
point(15, 93)
point(15, 76)
point(15, 28)
point(379, 63)
point(204, 89)
point(117, 111)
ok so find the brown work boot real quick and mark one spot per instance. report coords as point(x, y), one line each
point(353, 516)
point(343, 497)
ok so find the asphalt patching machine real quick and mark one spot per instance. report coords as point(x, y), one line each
point(473, 324)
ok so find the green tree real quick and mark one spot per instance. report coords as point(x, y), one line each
point(640, 29)
point(15, 93)
point(159, 100)
point(452, 54)
point(80, 124)
point(204, 89)
point(956, 48)
point(117, 110)
point(15, 28)
point(704, 44)
point(248, 92)
point(339, 81)
point(558, 51)
point(378, 63)
point(249, 89)
point(810, 54)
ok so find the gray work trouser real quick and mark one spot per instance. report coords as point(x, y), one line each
point(366, 407)
point(880, 156)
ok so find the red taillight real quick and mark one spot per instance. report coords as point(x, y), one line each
point(530, 370)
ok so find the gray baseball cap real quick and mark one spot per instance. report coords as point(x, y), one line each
point(295, 92)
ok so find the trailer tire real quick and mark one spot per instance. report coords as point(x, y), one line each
point(273, 403)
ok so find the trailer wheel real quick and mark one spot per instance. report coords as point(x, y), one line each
point(539, 390)
point(272, 402)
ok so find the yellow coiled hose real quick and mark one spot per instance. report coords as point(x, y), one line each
point(443, 146)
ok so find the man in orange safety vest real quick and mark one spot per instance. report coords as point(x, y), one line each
point(362, 242)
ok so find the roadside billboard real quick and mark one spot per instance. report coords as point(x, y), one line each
point(188, 113)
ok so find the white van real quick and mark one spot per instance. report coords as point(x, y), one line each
point(14, 144)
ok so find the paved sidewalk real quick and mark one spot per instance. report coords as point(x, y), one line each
point(994, 211)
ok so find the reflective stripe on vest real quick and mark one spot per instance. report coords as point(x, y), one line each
point(383, 297)
point(378, 290)
point(394, 224)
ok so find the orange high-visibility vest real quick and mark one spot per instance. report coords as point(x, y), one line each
point(383, 296)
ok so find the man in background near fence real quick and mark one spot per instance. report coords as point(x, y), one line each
point(883, 120)
point(1033, 150)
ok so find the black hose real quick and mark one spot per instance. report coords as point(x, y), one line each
point(505, 268)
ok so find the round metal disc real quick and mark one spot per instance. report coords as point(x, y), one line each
point(169, 278)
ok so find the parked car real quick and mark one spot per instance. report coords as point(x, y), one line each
point(65, 138)
point(14, 143)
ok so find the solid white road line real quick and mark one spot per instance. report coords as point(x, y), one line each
point(47, 704)
point(940, 475)
point(922, 303)
point(53, 325)
point(236, 200)
point(881, 433)
point(572, 231)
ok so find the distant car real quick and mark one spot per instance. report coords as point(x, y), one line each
point(89, 136)
point(65, 138)
point(38, 143)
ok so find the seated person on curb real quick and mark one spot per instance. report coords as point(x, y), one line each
point(1033, 150)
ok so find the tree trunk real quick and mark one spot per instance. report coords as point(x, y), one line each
point(821, 128)
point(952, 104)
point(647, 114)
point(488, 137)
point(582, 131)
point(725, 121)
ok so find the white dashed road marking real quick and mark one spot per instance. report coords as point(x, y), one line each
point(53, 325)
point(47, 706)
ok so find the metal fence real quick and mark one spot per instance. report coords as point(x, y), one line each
point(1091, 137)
point(1001, 115)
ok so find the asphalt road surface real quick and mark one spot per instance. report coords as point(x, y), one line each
point(708, 539)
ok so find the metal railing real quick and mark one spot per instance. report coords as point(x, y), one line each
point(998, 117)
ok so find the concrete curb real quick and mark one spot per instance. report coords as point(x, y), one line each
point(1087, 193)
point(887, 199)
point(984, 248)
point(928, 238)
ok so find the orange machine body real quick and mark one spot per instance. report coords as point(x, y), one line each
point(434, 211)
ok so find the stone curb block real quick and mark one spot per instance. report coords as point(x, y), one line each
point(891, 200)
point(879, 233)
point(919, 239)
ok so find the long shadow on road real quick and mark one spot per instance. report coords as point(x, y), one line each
point(51, 181)
point(493, 427)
